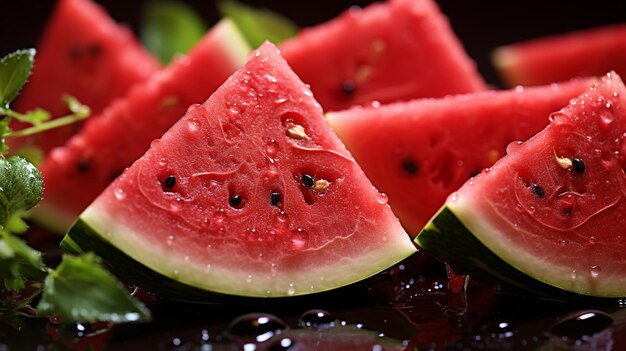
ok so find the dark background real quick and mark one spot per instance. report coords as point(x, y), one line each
point(480, 24)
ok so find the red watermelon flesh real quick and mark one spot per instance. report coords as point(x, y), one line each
point(77, 172)
point(419, 152)
point(83, 53)
point(392, 51)
point(258, 200)
point(554, 207)
point(576, 54)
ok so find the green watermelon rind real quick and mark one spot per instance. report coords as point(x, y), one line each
point(159, 271)
point(83, 238)
point(449, 240)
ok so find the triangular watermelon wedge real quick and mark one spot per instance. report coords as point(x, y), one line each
point(418, 152)
point(78, 171)
point(389, 51)
point(84, 53)
point(249, 194)
point(550, 216)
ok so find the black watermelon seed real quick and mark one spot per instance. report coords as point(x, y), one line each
point(538, 190)
point(75, 52)
point(169, 182)
point(95, 50)
point(275, 197)
point(578, 165)
point(116, 174)
point(235, 201)
point(308, 180)
point(83, 165)
point(348, 87)
point(410, 166)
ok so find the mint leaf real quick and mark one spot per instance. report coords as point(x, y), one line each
point(14, 71)
point(18, 262)
point(21, 187)
point(169, 28)
point(31, 153)
point(81, 290)
point(36, 116)
point(256, 24)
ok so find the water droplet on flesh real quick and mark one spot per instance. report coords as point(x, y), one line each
point(299, 239)
point(271, 148)
point(219, 217)
point(120, 194)
point(193, 126)
point(606, 118)
point(382, 198)
point(512, 147)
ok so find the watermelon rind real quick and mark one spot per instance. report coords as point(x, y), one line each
point(297, 246)
point(514, 221)
point(449, 239)
point(93, 231)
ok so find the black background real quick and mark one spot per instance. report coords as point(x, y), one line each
point(480, 24)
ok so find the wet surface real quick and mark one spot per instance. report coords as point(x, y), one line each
point(409, 306)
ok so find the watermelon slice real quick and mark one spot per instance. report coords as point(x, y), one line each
point(581, 53)
point(419, 152)
point(249, 194)
point(392, 51)
point(77, 172)
point(548, 217)
point(83, 53)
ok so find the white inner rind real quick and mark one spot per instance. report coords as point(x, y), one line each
point(540, 267)
point(228, 279)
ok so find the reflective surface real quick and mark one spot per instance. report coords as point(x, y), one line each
point(403, 308)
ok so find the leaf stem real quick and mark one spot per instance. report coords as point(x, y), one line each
point(55, 123)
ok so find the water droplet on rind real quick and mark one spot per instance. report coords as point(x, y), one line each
point(594, 271)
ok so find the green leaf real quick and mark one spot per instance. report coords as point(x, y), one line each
point(21, 187)
point(81, 290)
point(18, 262)
point(31, 153)
point(256, 24)
point(169, 28)
point(37, 116)
point(14, 71)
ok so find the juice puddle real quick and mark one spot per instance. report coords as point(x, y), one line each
point(405, 308)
